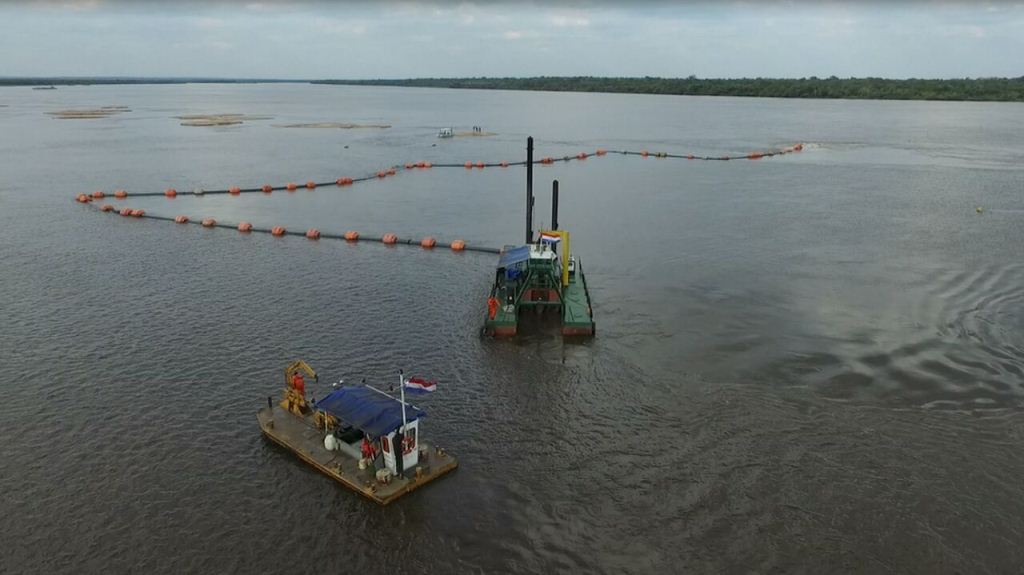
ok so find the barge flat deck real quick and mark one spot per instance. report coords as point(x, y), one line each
point(300, 436)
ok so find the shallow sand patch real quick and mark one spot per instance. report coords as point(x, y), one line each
point(89, 113)
point(218, 119)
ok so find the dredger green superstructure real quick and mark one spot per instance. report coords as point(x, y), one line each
point(540, 278)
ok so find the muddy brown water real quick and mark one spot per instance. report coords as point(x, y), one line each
point(810, 363)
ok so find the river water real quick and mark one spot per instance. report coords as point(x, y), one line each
point(810, 363)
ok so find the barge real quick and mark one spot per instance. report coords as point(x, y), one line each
point(362, 437)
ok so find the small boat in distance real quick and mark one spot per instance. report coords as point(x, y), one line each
point(358, 435)
point(445, 133)
point(44, 87)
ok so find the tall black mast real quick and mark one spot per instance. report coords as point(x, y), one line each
point(529, 190)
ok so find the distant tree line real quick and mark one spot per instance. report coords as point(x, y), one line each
point(974, 89)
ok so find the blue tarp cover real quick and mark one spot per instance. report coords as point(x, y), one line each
point(514, 256)
point(368, 410)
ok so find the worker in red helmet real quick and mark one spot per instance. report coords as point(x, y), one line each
point(299, 383)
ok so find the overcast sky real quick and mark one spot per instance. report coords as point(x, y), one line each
point(295, 39)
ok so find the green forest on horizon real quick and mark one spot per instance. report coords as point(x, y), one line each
point(966, 89)
point(959, 89)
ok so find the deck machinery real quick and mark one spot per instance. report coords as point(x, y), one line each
point(539, 278)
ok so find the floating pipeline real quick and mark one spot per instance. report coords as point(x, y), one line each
point(172, 193)
point(390, 239)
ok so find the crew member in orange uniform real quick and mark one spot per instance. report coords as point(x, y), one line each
point(368, 449)
point(299, 384)
point(492, 307)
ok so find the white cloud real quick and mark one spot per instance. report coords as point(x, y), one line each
point(561, 21)
point(340, 26)
point(73, 5)
point(206, 23)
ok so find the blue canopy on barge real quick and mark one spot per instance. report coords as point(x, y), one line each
point(367, 409)
point(511, 256)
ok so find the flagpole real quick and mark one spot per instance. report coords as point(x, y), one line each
point(388, 395)
point(401, 386)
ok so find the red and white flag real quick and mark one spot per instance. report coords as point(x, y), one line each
point(549, 238)
point(420, 385)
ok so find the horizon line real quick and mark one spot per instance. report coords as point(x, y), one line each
point(379, 79)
